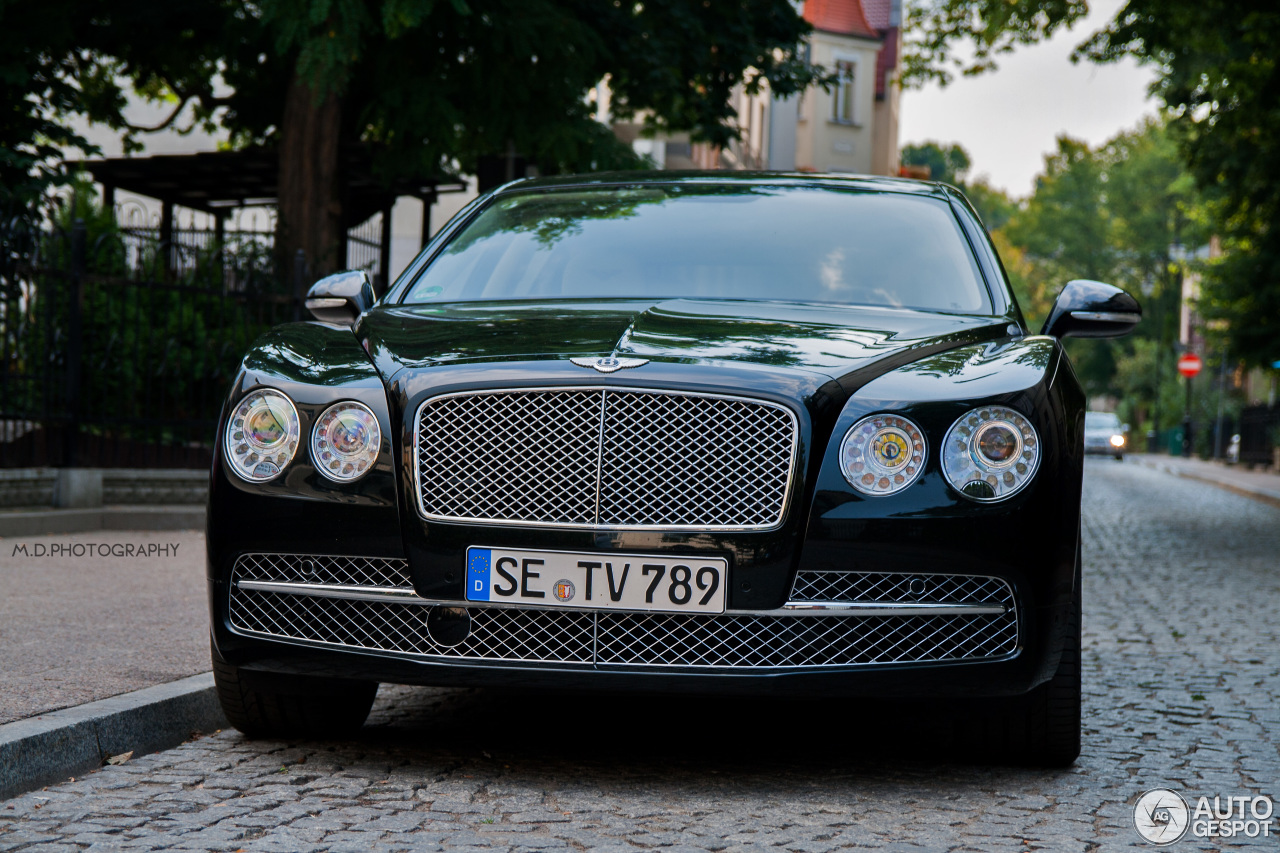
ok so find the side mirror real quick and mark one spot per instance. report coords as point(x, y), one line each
point(341, 298)
point(1124, 427)
point(1091, 309)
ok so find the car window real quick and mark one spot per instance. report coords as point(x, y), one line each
point(711, 242)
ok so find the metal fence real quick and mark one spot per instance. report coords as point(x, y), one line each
point(116, 350)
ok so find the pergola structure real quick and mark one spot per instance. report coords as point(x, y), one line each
point(218, 182)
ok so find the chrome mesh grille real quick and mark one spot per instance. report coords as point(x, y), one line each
point(754, 640)
point(675, 459)
point(605, 457)
point(730, 640)
point(305, 568)
point(896, 587)
point(514, 635)
point(530, 456)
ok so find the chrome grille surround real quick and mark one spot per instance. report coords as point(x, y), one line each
point(605, 457)
point(603, 639)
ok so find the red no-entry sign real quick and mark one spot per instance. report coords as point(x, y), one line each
point(1189, 364)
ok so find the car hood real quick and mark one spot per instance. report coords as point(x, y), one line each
point(832, 340)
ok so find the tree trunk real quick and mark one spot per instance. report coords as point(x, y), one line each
point(310, 190)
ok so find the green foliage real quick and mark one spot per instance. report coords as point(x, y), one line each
point(158, 349)
point(945, 164)
point(944, 37)
point(1118, 213)
point(1219, 75)
point(429, 84)
point(64, 58)
point(994, 206)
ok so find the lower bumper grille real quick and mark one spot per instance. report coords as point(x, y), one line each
point(757, 640)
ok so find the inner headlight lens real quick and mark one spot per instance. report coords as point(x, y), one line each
point(345, 441)
point(882, 454)
point(990, 453)
point(262, 435)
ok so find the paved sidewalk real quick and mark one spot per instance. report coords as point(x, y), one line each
point(1263, 485)
point(91, 615)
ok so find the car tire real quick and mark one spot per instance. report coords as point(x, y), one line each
point(1040, 728)
point(1053, 710)
point(292, 705)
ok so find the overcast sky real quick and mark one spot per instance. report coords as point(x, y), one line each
point(1008, 119)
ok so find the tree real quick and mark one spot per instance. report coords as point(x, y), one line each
point(426, 85)
point(1112, 213)
point(945, 164)
point(1219, 77)
point(943, 37)
point(60, 58)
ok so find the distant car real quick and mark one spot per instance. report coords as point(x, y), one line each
point(722, 432)
point(1105, 435)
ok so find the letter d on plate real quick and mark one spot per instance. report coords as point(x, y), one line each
point(478, 574)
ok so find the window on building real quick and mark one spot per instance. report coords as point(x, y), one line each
point(842, 95)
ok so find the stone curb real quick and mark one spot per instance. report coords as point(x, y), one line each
point(44, 522)
point(1246, 490)
point(55, 746)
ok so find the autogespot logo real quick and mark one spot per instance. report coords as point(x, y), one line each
point(1162, 816)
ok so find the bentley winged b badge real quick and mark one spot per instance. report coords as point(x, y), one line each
point(608, 363)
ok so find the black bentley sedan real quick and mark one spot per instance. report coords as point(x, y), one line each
point(721, 432)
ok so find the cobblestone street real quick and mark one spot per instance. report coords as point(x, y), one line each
point(1180, 637)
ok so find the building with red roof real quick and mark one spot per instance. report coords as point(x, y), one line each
point(852, 128)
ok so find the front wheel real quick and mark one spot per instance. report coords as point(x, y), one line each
point(1052, 734)
point(1040, 728)
point(263, 705)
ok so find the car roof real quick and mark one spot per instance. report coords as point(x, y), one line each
point(866, 183)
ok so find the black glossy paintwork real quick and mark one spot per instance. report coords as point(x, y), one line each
point(831, 340)
point(830, 364)
point(303, 511)
point(1092, 297)
point(1029, 539)
point(352, 287)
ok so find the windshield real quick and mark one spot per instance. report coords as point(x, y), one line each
point(702, 241)
point(1101, 420)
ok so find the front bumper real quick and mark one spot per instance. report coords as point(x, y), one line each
point(895, 635)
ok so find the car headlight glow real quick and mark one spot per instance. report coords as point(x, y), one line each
point(262, 435)
point(345, 441)
point(1117, 441)
point(990, 453)
point(882, 454)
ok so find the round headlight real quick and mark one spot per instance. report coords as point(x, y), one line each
point(262, 435)
point(882, 454)
point(345, 441)
point(990, 453)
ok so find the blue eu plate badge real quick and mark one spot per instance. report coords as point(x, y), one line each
point(478, 574)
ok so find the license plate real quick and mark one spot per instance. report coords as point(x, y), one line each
point(597, 581)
